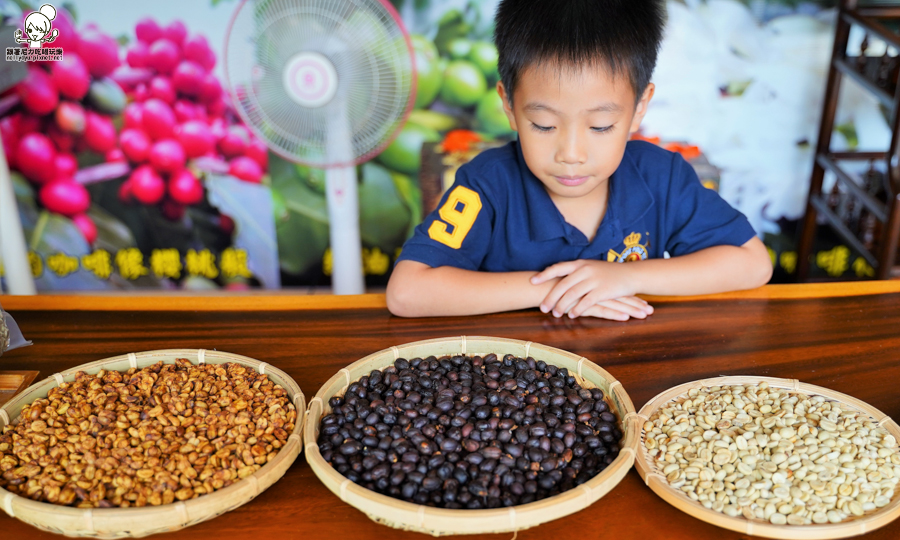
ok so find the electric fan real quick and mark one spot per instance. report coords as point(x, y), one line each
point(325, 83)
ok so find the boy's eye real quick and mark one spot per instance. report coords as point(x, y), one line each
point(542, 129)
point(601, 129)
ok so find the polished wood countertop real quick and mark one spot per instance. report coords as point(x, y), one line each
point(843, 336)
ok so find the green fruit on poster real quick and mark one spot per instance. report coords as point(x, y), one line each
point(437, 121)
point(428, 70)
point(459, 48)
point(383, 216)
point(490, 115)
point(464, 84)
point(484, 55)
point(405, 153)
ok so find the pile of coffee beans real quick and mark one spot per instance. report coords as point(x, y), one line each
point(469, 432)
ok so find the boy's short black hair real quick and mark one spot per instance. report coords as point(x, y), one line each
point(622, 34)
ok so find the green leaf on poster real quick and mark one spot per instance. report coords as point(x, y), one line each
point(24, 194)
point(411, 195)
point(383, 215)
point(302, 225)
point(112, 234)
point(251, 207)
point(54, 235)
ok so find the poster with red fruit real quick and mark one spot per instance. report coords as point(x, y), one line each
point(130, 167)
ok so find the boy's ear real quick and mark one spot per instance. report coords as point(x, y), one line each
point(506, 106)
point(641, 108)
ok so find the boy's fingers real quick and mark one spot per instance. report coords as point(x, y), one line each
point(553, 271)
point(571, 298)
point(556, 293)
point(603, 312)
point(616, 305)
point(637, 302)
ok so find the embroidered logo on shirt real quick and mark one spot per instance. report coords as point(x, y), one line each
point(634, 250)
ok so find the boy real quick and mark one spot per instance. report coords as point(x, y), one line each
point(546, 220)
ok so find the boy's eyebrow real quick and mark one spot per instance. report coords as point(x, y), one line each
point(603, 107)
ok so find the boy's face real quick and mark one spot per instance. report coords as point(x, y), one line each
point(573, 125)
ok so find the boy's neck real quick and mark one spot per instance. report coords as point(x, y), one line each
point(585, 213)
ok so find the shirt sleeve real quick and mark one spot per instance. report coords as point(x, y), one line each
point(698, 218)
point(458, 232)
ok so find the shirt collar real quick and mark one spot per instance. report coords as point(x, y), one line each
point(630, 196)
point(629, 199)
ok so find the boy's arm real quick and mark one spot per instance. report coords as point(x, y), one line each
point(707, 271)
point(418, 290)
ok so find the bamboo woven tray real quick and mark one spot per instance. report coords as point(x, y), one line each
point(438, 521)
point(657, 481)
point(138, 522)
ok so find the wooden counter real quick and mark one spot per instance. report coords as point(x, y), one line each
point(842, 336)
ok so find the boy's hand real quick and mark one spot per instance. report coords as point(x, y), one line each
point(593, 288)
point(620, 309)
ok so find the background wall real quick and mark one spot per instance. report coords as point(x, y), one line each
point(743, 81)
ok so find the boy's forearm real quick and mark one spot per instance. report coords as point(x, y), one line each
point(709, 271)
point(443, 291)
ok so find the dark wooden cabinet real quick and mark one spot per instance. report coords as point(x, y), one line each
point(863, 210)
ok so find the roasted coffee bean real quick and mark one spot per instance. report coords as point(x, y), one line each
point(381, 471)
point(515, 450)
point(474, 458)
point(436, 461)
point(557, 446)
point(469, 432)
point(350, 447)
point(470, 445)
point(397, 478)
point(449, 445)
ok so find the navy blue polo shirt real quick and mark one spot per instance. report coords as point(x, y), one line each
point(498, 217)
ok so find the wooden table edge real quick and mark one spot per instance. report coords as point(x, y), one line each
point(279, 301)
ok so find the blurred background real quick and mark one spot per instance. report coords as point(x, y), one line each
point(740, 88)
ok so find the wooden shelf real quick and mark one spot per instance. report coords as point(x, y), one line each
point(853, 184)
point(848, 69)
point(864, 71)
point(841, 229)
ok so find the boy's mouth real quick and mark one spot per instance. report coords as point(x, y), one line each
point(572, 180)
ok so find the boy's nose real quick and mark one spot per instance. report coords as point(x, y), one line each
point(572, 149)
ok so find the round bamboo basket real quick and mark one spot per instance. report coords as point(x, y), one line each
point(437, 521)
point(657, 481)
point(138, 522)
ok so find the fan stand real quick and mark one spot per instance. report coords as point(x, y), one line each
point(342, 196)
point(350, 72)
point(310, 79)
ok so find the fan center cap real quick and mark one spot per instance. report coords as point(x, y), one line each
point(310, 79)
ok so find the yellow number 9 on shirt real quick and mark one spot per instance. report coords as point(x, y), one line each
point(461, 220)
